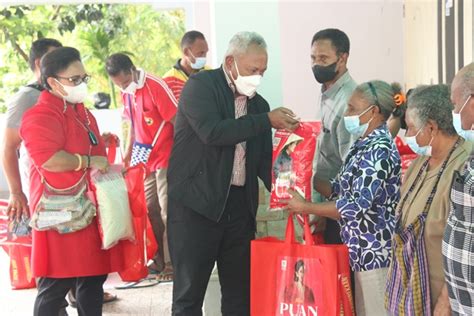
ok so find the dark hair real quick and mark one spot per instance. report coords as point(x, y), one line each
point(337, 37)
point(190, 37)
point(39, 48)
point(117, 63)
point(298, 265)
point(56, 61)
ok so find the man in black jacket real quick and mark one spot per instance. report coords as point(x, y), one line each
point(222, 145)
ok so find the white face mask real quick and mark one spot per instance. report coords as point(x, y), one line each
point(132, 87)
point(199, 62)
point(246, 85)
point(75, 94)
point(457, 123)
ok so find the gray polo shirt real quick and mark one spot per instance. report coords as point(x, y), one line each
point(334, 141)
point(24, 99)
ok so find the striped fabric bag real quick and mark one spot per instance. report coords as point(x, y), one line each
point(408, 286)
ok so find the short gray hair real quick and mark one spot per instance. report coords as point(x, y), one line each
point(381, 93)
point(240, 43)
point(432, 103)
point(465, 80)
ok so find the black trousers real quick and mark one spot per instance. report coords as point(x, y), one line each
point(332, 233)
point(52, 293)
point(196, 243)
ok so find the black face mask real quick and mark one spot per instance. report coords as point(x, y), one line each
point(324, 74)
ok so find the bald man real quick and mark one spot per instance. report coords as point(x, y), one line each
point(458, 242)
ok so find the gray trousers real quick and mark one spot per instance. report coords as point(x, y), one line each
point(156, 193)
point(370, 292)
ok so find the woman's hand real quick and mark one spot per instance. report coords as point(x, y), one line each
point(100, 163)
point(443, 307)
point(18, 206)
point(296, 204)
point(108, 137)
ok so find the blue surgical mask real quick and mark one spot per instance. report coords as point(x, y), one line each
point(199, 62)
point(466, 134)
point(417, 149)
point(352, 124)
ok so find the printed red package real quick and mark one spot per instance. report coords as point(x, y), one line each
point(406, 154)
point(293, 155)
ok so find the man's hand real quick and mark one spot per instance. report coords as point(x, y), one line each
point(283, 118)
point(18, 206)
point(442, 306)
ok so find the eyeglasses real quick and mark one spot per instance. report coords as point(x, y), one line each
point(77, 80)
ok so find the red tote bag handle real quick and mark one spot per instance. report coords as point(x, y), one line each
point(112, 149)
point(290, 231)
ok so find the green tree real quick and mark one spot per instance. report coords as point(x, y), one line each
point(151, 37)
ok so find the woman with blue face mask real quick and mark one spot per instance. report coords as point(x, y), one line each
point(364, 194)
point(416, 282)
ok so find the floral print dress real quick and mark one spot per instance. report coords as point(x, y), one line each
point(366, 191)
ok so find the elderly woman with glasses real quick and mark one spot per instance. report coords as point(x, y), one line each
point(63, 141)
point(416, 281)
point(365, 193)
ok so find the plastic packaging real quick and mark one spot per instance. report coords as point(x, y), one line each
point(293, 155)
point(115, 217)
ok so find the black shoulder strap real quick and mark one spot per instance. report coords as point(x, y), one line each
point(36, 86)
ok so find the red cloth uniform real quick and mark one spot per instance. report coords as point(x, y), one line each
point(152, 103)
point(46, 129)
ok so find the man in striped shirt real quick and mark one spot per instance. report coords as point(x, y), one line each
point(194, 50)
point(151, 107)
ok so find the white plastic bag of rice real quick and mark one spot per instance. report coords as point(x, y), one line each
point(115, 216)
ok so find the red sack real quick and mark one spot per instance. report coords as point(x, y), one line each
point(276, 268)
point(19, 251)
point(137, 253)
point(293, 155)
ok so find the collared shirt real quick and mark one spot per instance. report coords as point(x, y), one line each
point(458, 241)
point(238, 171)
point(334, 141)
point(176, 78)
point(367, 190)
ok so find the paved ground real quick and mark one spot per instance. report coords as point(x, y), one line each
point(146, 301)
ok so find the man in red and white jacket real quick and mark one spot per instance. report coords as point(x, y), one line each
point(151, 107)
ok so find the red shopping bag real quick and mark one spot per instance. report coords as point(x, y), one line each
point(279, 269)
point(344, 288)
point(18, 249)
point(137, 253)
